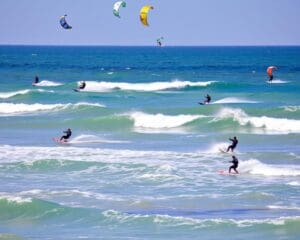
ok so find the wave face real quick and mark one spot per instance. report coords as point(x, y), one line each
point(22, 108)
point(92, 86)
point(5, 95)
point(268, 123)
point(145, 120)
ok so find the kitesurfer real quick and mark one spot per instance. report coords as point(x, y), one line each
point(233, 145)
point(82, 85)
point(270, 72)
point(235, 165)
point(207, 100)
point(36, 80)
point(67, 135)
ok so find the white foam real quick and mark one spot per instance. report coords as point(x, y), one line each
point(233, 100)
point(47, 83)
point(277, 81)
point(159, 120)
point(176, 221)
point(291, 108)
point(13, 198)
point(89, 139)
point(284, 207)
point(22, 108)
point(294, 183)
point(5, 95)
point(256, 167)
point(268, 123)
point(92, 86)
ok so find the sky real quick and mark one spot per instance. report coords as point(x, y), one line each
point(181, 23)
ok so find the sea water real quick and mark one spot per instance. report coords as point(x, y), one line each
point(144, 156)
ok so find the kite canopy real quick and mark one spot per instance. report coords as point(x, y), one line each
point(271, 69)
point(117, 6)
point(144, 14)
point(64, 23)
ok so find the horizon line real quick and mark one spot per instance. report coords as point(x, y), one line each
point(92, 45)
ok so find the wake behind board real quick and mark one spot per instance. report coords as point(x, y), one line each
point(57, 140)
point(225, 172)
point(224, 151)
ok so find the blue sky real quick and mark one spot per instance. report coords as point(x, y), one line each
point(189, 22)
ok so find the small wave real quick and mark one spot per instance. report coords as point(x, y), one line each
point(14, 199)
point(284, 207)
point(92, 86)
point(233, 100)
point(291, 108)
point(159, 120)
point(256, 167)
point(47, 83)
point(294, 183)
point(22, 108)
point(274, 124)
point(176, 221)
point(5, 95)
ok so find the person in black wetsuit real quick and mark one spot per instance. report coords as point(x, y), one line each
point(67, 135)
point(36, 80)
point(233, 145)
point(82, 85)
point(206, 101)
point(235, 165)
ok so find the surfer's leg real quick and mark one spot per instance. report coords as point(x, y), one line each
point(230, 147)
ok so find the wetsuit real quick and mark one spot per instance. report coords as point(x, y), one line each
point(271, 77)
point(67, 136)
point(36, 80)
point(82, 85)
point(233, 145)
point(235, 165)
point(208, 99)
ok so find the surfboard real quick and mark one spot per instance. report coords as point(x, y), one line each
point(76, 90)
point(57, 140)
point(225, 172)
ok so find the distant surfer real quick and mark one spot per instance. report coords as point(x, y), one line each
point(206, 100)
point(233, 145)
point(235, 164)
point(81, 86)
point(67, 135)
point(36, 80)
point(270, 72)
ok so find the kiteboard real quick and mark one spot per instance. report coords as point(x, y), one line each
point(225, 172)
point(57, 140)
point(76, 90)
point(224, 151)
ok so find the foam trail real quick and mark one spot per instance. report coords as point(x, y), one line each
point(47, 83)
point(89, 139)
point(256, 167)
point(277, 81)
point(273, 124)
point(21, 108)
point(233, 100)
point(159, 120)
point(92, 86)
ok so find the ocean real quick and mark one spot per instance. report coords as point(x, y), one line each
point(144, 157)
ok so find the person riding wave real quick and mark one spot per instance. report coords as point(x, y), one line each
point(233, 145)
point(207, 100)
point(67, 135)
point(235, 165)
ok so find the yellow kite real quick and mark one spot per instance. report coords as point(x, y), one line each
point(144, 14)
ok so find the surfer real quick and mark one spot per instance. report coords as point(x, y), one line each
point(36, 80)
point(67, 135)
point(270, 72)
point(207, 100)
point(235, 165)
point(81, 86)
point(233, 145)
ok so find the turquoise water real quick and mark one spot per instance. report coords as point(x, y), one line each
point(144, 156)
